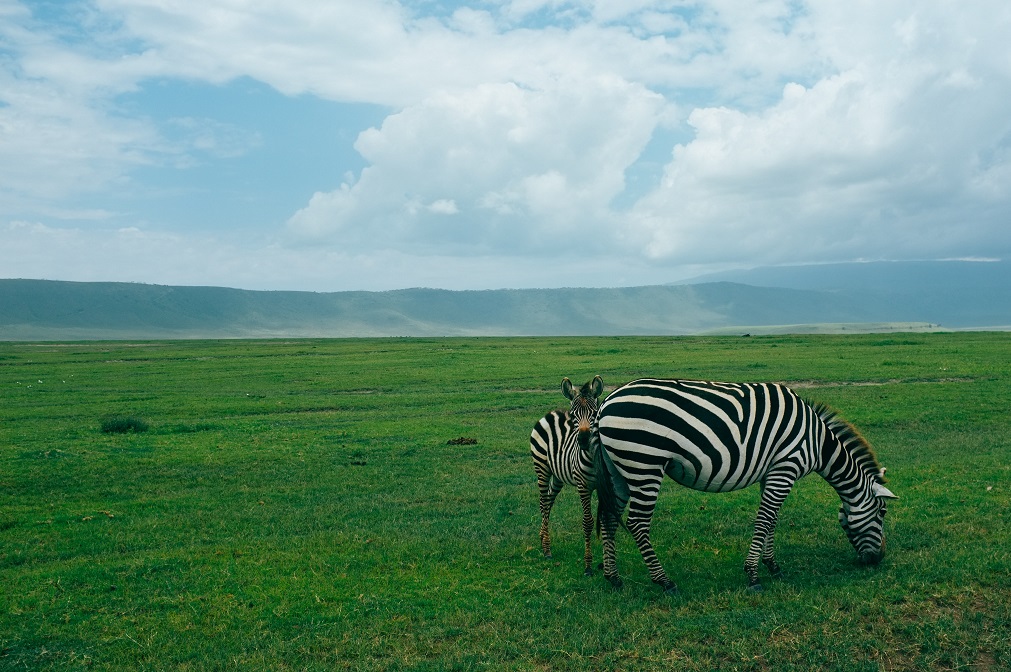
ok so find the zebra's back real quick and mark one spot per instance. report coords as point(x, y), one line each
point(706, 435)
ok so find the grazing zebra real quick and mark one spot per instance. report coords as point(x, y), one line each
point(558, 459)
point(719, 437)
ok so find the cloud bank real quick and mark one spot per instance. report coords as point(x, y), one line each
point(524, 142)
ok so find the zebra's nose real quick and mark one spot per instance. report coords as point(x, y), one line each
point(871, 558)
point(584, 426)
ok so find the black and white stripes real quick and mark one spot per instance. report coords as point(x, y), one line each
point(558, 459)
point(719, 437)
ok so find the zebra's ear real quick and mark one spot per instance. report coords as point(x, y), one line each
point(598, 386)
point(882, 491)
point(567, 388)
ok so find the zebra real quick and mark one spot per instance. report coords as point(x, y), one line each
point(558, 459)
point(718, 437)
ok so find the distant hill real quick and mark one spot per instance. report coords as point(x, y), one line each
point(956, 294)
point(852, 296)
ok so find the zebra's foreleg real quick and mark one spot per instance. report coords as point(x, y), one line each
point(585, 499)
point(549, 488)
point(774, 492)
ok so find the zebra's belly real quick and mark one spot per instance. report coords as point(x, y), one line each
point(701, 477)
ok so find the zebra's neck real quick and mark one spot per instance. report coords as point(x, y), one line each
point(845, 473)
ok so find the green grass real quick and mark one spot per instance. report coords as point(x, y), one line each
point(296, 505)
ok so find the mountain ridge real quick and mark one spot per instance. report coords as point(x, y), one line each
point(929, 293)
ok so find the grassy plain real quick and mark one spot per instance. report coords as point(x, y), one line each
point(295, 505)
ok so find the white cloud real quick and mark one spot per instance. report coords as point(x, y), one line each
point(61, 134)
point(54, 143)
point(881, 159)
point(393, 54)
point(520, 167)
point(443, 206)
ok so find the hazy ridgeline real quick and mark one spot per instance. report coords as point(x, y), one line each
point(833, 298)
point(298, 505)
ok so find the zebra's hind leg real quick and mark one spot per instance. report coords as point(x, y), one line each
point(584, 499)
point(769, 557)
point(549, 488)
point(775, 488)
point(640, 516)
point(775, 571)
point(640, 532)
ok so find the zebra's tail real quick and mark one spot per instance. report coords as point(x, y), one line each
point(604, 474)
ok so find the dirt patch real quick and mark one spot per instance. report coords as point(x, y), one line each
point(807, 384)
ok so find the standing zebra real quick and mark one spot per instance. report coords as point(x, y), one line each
point(558, 459)
point(719, 437)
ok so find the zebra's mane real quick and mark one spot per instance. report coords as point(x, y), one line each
point(852, 440)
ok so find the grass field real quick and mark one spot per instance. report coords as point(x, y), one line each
point(296, 505)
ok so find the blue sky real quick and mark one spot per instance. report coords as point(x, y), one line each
point(328, 146)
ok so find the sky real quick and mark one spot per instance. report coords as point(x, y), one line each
point(375, 144)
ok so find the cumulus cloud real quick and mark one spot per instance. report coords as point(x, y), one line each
point(517, 167)
point(884, 158)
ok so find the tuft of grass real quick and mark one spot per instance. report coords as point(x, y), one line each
point(124, 425)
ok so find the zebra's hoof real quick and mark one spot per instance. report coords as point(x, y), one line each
point(774, 570)
point(547, 556)
point(671, 591)
point(615, 582)
point(755, 588)
point(588, 572)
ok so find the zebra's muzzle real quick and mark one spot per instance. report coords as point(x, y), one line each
point(871, 558)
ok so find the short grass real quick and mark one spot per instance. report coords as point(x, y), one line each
point(296, 505)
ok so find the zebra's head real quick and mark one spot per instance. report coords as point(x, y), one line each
point(583, 407)
point(863, 522)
